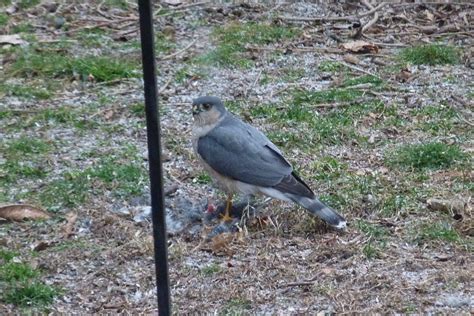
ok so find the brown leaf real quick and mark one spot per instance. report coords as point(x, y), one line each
point(42, 245)
point(404, 75)
point(14, 39)
point(361, 47)
point(351, 59)
point(220, 244)
point(68, 228)
point(21, 212)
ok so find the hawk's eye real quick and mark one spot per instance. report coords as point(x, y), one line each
point(206, 106)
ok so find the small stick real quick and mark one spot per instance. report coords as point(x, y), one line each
point(336, 18)
point(178, 52)
point(247, 91)
point(358, 69)
point(373, 20)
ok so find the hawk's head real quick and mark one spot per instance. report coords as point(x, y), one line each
point(207, 110)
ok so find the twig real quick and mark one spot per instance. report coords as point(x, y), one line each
point(306, 282)
point(246, 94)
point(89, 27)
point(358, 69)
point(167, 83)
point(190, 5)
point(178, 52)
point(385, 44)
point(373, 20)
point(297, 284)
point(404, 5)
point(335, 18)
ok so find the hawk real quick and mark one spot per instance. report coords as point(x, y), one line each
point(243, 160)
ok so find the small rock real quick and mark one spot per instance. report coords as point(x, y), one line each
point(453, 300)
point(454, 207)
point(50, 6)
point(143, 213)
point(59, 22)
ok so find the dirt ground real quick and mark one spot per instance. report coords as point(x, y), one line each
point(72, 92)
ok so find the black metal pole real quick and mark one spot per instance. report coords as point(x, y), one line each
point(154, 157)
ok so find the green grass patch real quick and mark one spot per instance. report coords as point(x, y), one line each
point(237, 306)
point(436, 120)
point(123, 176)
point(26, 145)
point(439, 231)
point(371, 230)
point(94, 38)
point(377, 238)
point(137, 109)
point(70, 190)
point(25, 4)
point(23, 159)
point(4, 3)
point(434, 155)
point(7, 255)
point(163, 43)
point(327, 169)
point(231, 41)
point(292, 74)
point(3, 19)
point(326, 96)
point(120, 4)
point(50, 117)
point(362, 80)
point(330, 66)
point(203, 178)
point(394, 203)
point(30, 294)
point(31, 63)
point(13, 271)
point(334, 126)
point(20, 284)
point(432, 54)
point(288, 139)
point(22, 28)
point(210, 269)
point(25, 91)
point(264, 111)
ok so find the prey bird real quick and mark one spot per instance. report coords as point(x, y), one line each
point(243, 160)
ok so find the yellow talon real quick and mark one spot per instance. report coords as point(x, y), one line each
point(226, 217)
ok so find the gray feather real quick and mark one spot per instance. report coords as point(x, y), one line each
point(321, 210)
point(241, 152)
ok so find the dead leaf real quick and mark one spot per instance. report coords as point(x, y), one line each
point(360, 47)
point(13, 39)
point(351, 59)
point(220, 244)
point(68, 228)
point(404, 75)
point(42, 245)
point(109, 114)
point(21, 212)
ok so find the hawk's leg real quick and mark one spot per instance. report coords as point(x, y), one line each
point(228, 207)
